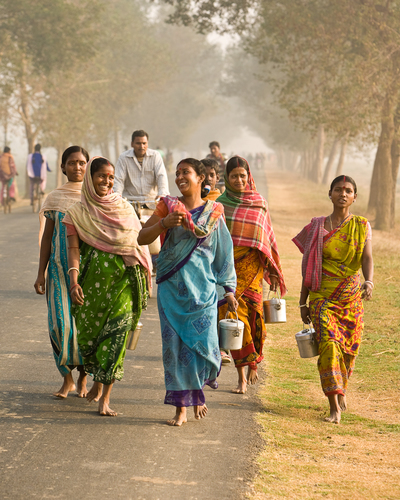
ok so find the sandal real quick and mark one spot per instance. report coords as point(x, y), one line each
point(225, 358)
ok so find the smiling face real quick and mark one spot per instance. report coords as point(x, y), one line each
point(103, 180)
point(238, 178)
point(343, 194)
point(75, 167)
point(187, 180)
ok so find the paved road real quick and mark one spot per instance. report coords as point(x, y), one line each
point(52, 448)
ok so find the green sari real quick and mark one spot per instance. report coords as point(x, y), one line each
point(115, 295)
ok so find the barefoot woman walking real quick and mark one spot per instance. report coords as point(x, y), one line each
point(196, 255)
point(334, 249)
point(256, 256)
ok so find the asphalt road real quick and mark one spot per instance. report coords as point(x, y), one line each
point(51, 448)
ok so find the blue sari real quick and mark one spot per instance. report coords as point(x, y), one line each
point(189, 270)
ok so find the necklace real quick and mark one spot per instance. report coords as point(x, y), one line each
point(330, 221)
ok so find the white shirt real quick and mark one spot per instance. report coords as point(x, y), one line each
point(141, 182)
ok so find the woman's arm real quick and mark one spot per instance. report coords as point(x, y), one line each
point(45, 250)
point(368, 271)
point(156, 225)
point(273, 277)
point(304, 309)
point(75, 290)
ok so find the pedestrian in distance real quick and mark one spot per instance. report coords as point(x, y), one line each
point(107, 271)
point(37, 168)
point(196, 256)
point(335, 250)
point(256, 257)
point(54, 259)
point(8, 171)
point(215, 154)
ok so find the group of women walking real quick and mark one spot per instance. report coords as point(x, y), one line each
point(214, 257)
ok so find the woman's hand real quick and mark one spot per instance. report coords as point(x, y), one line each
point(274, 283)
point(305, 315)
point(77, 296)
point(232, 303)
point(174, 219)
point(40, 284)
point(366, 290)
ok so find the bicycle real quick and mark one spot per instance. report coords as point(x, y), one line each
point(37, 195)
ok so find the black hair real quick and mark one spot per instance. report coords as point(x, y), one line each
point(235, 162)
point(200, 169)
point(37, 147)
point(344, 178)
point(139, 133)
point(214, 143)
point(97, 163)
point(73, 149)
point(6, 149)
point(211, 163)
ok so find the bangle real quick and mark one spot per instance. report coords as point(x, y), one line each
point(161, 223)
point(370, 282)
point(227, 294)
point(73, 269)
point(274, 275)
point(303, 305)
point(72, 287)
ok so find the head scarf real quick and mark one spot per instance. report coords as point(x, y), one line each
point(108, 223)
point(249, 222)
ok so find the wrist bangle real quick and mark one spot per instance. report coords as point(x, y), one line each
point(72, 287)
point(370, 282)
point(73, 269)
point(227, 294)
point(303, 305)
point(161, 222)
point(274, 275)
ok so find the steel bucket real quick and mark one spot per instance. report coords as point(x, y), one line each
point(274, 310)
point(307, 342)
point(230, 333)
point(133, 337)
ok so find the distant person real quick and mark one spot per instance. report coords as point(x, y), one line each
point(212, 177)
point(37, 168)
point(140, 173)
point(53, 258)
point(215, 153)
point(8, 171)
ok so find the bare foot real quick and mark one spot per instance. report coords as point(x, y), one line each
point(179, 418)
point(241, 388)
point(252, 376)
point(95, 392)
point(81, 385)
point(342, 402)
point(67, 387)
point(334, 418)
point(105, 410)
point(200, 411)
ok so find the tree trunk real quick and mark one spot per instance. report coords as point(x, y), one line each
point(319, 156)
point(383, 164)
point(331, 159)
point(116, 143)
point(60, 177)
point(342, 156)
point(105, 148)
point(395, 155)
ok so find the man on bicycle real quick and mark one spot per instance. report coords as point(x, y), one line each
point(37, 168)
point(140, 173)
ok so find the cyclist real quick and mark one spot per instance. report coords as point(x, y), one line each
point(37, 168)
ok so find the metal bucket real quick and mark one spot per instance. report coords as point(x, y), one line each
point(274, 310)
point(230, 333)
point(307, 343)
point(133, 337)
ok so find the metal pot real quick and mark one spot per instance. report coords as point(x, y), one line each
point(274, 310)
point(133, 337)
point(307, 342)
point(230, 333)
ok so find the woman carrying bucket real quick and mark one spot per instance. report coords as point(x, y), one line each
point(256, 257)
point(334, 249)
point(196, 256)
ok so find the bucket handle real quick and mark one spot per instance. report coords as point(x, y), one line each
point(278, 306)
point(313, 338)
point(237, 318)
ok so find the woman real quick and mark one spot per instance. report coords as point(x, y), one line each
point(256, 257)
point(110, 292)
point(54, 258)
point(334, 249)
point(195, 257)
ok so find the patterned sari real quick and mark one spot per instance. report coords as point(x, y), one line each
point(336, 307)
point(189, 268)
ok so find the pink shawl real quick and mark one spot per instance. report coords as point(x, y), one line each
point(108, 223)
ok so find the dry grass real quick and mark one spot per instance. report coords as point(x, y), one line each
point(305, 457)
